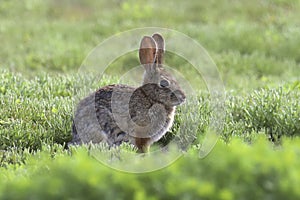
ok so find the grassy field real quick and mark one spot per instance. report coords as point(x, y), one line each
point(255, 45)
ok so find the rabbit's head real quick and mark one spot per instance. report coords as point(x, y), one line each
point(158, 84)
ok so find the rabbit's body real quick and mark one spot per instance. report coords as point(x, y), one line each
point(120, 113)
point(136, 122)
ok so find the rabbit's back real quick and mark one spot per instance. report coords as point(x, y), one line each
point(94, 119)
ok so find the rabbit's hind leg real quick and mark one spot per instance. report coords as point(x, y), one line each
point(143, 144)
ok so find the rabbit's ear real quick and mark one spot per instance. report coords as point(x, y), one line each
point(147, 51)
point(160, 47)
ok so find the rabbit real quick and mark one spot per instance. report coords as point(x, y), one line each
point(120, 113)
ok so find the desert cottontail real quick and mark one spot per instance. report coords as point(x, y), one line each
point(120, 113)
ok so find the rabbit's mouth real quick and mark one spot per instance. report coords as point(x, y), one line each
point(177, 97)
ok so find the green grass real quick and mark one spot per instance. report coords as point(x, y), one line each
point(56, 36)
point(236, 171)
point(255, 46)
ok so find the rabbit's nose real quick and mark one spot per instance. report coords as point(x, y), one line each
point(178, 97)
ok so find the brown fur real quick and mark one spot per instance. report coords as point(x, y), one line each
point(120, 113)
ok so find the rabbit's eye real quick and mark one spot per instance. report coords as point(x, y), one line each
point(164, 83)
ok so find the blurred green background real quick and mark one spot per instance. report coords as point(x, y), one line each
point(254, 42)
point(255, 45)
